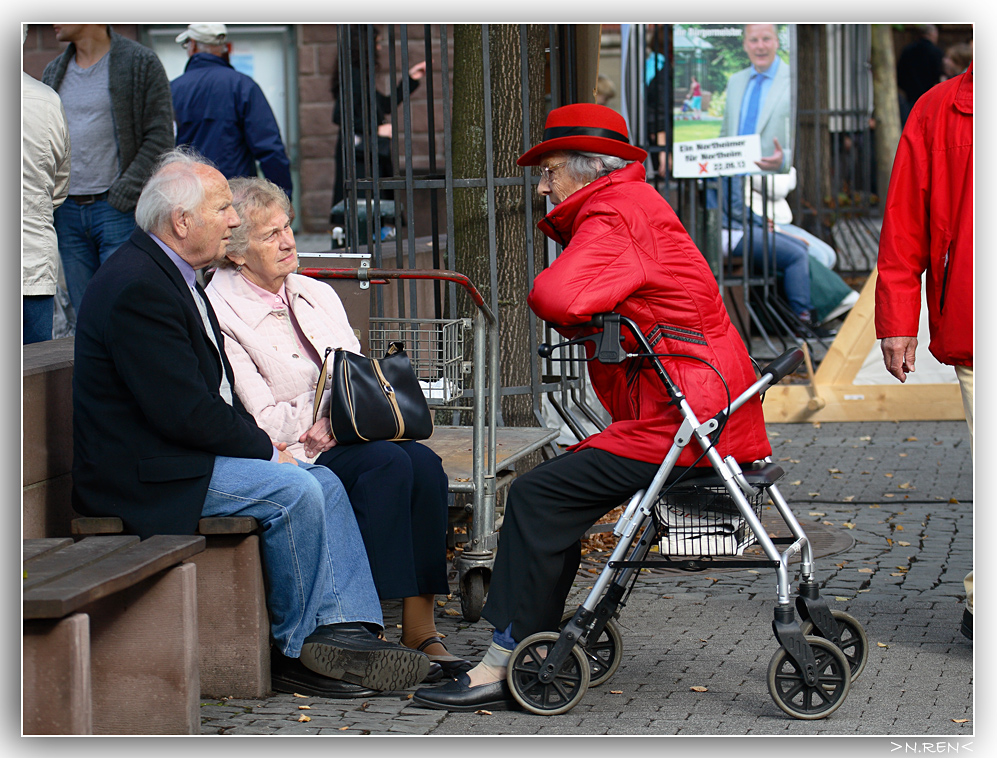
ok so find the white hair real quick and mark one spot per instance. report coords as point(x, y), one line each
point(174, 185)
point(587, 167)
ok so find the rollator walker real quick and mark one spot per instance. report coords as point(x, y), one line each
point(696, 517)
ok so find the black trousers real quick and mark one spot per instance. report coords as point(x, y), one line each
point(398, 491)
point(547, 513)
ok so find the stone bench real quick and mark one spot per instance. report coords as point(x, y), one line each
point(232, 621)
point(110, 636)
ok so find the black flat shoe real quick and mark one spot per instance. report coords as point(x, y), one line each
point(459, 695)
point(967, 624)
point(435, 674)
point(352, 653)
point(452, 665)
point(291, 676)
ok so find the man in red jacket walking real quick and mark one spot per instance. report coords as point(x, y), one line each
point(928, 231)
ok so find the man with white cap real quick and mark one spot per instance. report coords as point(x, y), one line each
point(223, 113)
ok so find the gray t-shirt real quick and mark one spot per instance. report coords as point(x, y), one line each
point(86, 96)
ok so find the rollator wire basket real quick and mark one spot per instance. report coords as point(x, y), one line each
point(436, 349)
point(703, 520)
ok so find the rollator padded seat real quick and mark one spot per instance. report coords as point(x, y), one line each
point(759, 475)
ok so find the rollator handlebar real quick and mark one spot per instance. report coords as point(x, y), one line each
point(784, 365)
point(607, 342)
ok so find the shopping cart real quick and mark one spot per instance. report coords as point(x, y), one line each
point(478, 459)
point(692, 521)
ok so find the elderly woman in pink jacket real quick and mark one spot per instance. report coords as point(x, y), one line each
point(277, 326)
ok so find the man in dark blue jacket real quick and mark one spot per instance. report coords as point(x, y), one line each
point(223, 113)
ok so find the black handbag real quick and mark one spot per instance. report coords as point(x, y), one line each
point(374, 399)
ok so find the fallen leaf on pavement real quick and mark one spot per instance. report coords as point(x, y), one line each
point(848, 525)
point(903, 544)
point(297, 695)
point(816, 513)
point(865, 571)
point(304, 707)
point(616, 692)
point(698, 689)
point(303, 718)
point(911, 439)
point(959, 721)
point(953, 501)
point(483, 712)
point(880, 644)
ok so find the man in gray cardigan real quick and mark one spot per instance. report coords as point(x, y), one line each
point(120, 113)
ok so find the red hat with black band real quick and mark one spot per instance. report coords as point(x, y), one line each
point(585, 127)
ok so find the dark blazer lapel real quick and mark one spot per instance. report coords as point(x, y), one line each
point(149, 246)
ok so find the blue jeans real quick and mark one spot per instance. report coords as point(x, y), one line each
point(788, 256)
point(88, 234)
point(314, 562)
point(38, 312)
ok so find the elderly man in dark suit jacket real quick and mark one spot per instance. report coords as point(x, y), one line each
point(161, 440)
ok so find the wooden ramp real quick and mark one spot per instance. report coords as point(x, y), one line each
point(833, 394)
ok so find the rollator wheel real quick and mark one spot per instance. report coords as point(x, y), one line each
point(604, 655)
point(791, 692)
point(854, 643)
point(559, 695)
point(472, 594)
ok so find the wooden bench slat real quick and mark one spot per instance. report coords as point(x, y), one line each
point(118, 570)
point(89, 525)
point(227, 525)
point(52, 565)
point(31, 549)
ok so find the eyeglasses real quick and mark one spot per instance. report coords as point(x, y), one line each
point(548, 171)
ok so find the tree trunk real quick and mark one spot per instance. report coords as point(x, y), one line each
point(812, 148)
point(505, 287)
point(886, 108)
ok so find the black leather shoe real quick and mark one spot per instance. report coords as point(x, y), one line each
point(351, 653)
point(291, 676)
point(967, 624)
point(435, 674)
point(451, 665)
point(459, 695)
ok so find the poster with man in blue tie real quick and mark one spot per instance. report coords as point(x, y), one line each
point(747, 72)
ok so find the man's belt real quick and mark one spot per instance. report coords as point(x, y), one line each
point(88, 199)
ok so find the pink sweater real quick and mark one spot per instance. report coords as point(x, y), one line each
point(273, 378)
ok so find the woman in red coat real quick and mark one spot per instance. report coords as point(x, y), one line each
point(624, 251)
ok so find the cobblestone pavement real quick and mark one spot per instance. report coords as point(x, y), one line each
point(902, 491)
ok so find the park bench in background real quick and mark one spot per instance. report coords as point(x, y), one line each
point(110, 636)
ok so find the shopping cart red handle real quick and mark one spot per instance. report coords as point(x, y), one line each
point(375, 274)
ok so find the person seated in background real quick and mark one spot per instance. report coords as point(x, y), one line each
point(830, 295)
point(786, 255)
point(161, 440)
point(278, 326)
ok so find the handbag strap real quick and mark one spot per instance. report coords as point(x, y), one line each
point(320, 387)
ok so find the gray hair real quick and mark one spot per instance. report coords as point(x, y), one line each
point(251, 198)
point(587, 167)
point(174, 185)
